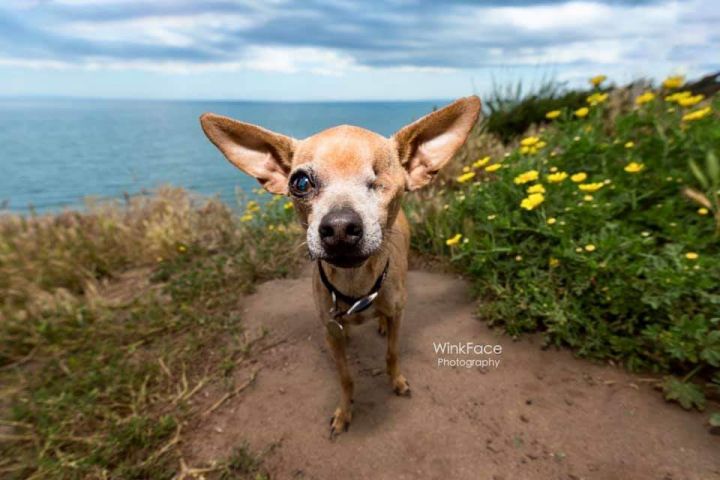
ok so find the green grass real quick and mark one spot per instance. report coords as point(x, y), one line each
point(112, 320)
point(513, 108)
point(627, 273)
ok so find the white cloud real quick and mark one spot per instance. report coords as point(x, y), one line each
point(293, 60)
point(345, 37)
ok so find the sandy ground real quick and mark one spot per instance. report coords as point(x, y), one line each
point(539, 414)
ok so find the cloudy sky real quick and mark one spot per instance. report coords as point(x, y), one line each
point(338, 49)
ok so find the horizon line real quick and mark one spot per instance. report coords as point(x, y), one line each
point(233, 100)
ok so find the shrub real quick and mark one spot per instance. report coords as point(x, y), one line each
point(601, 234)
point(511, 110)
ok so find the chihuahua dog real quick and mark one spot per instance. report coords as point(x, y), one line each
point(346, 184)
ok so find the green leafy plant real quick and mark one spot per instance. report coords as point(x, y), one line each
point(597, 230)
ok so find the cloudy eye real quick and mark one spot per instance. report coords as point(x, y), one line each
point(300, 184)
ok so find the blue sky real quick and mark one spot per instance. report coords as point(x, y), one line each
point(342, 50)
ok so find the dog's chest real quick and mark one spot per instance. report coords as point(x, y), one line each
point(359, 318)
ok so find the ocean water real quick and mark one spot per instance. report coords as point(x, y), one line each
point(54, 153)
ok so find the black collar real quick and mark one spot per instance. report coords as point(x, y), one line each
point(358, 304)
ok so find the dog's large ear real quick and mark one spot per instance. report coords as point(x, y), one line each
point(260, 153)
point(426, 145)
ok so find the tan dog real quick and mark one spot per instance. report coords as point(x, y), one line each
point(346, 183)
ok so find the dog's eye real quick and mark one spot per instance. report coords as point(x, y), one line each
point(300, 184)
point(374, 185)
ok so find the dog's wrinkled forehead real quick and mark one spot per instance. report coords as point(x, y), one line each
point(346, 152)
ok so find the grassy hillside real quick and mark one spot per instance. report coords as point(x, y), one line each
point(600, 229)
point(113, 319)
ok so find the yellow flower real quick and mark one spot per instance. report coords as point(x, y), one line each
point(532, 201)
point(552, 114)
point(630, 144)
point(553, 262)
point(692, 256)
point(481, 162)
point(589, 247)
point(288, 205)
point(582, 112)
point(182, 248)
point(252, 206)
point(690, 101)
point(529, 176)
point(465, 177)
point(537, 188)
point(703, 211)
point(553, 169)
point(645, 98)
point(529, 141)
point(246, 218)
point(579, 177)
point(674, 81)
point(596, 98)
point(597, 80)
point(557, 177)
point(634, 167)
point(677, 96)
point(453, 240)
point(534, 148)
point(551, 221)
point(591, 187)
point(697, 114)
point(493, 168)
point(588, 198)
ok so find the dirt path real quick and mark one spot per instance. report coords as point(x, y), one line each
point(539, 414)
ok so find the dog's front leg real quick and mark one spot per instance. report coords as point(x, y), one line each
point(343, 414)
point(399, 383)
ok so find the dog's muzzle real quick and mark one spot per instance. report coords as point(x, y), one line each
point(341, 235)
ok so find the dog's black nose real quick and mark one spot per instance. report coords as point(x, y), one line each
point(341, 230)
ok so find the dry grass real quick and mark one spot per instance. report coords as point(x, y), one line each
point(107, 317)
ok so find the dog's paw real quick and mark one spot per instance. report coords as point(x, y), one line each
point(401, 386)
point(339, 422)
point(382, 326)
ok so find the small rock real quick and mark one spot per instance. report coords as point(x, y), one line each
point(569, 402)
point(524, 418)
point(528, 401)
